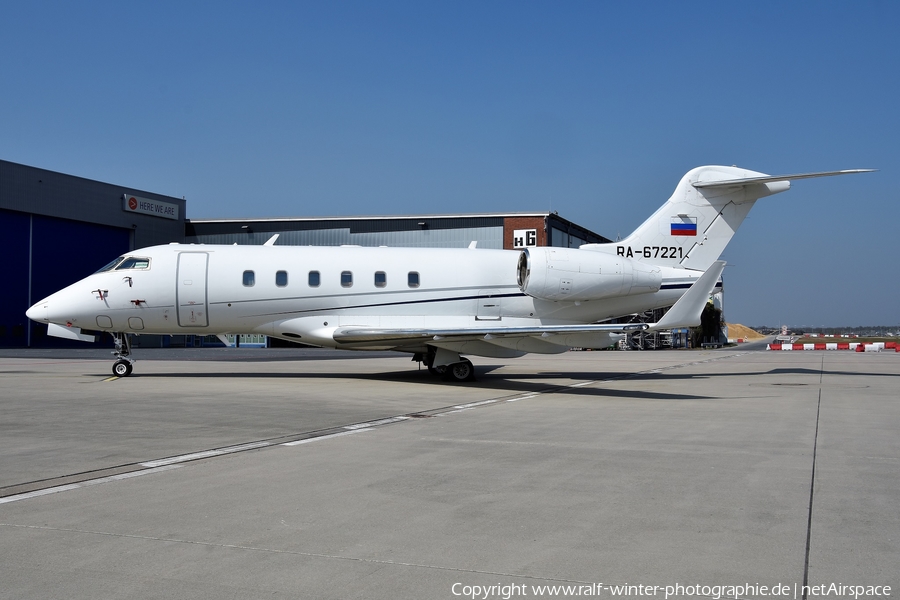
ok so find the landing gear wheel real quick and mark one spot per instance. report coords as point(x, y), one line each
point(122, 368)
point(124, 365)
point(461, 371)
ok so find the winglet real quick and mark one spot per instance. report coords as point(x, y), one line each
point(271, 240)
point(686, 312)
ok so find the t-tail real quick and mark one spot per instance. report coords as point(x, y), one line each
point(692, 229)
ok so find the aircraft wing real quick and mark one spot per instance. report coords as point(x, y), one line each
point(353, 335)
point(684, 313)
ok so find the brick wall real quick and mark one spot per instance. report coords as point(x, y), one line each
point(510, 224)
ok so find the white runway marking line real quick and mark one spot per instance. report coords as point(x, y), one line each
point(464, 407)
point(474, 404)
point(89, 482)
point(387, 421)
point(326, 437)
point(522, 397)
point(205, 454)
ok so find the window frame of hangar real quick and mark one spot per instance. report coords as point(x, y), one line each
point(346, 279)
point(249, 278)
point(314, 279)
point(413, 279)
point(381, 281)
point(281, 278)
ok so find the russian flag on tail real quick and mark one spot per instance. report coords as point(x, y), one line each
point(686, 226)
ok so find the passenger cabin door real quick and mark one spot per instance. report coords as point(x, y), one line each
point(190, 289)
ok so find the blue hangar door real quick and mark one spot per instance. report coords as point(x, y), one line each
point(43, 255)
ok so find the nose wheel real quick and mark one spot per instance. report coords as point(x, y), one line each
point(124, 365)
point(122, 368)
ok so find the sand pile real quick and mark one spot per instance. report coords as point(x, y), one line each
point(739, 331)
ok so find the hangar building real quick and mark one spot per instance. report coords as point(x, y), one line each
point(58, 229)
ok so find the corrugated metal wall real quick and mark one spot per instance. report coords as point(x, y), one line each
point(487, 237)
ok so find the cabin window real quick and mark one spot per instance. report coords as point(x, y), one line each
point(132, 262)
point(346, 279)
point(249, 278)
point(413, 279)
point(314, 279)
point(380, 279)
point(281, 278)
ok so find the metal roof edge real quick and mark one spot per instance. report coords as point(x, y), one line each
point(374, 217)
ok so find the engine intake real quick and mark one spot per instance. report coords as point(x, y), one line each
point(578, 275)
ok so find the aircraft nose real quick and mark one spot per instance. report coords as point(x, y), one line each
point(38, 312)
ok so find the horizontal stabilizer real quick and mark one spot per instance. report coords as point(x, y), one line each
point(686, 312)
point(774, 178)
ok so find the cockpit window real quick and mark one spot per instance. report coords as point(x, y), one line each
point(110, 266)
point(134, 262)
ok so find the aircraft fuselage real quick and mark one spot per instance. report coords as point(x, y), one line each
point(304, 294)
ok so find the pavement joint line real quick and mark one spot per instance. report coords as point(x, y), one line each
point(82, 484)
point(812, 483)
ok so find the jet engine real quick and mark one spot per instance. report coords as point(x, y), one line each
point(579, 275)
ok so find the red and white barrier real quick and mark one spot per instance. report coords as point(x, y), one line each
point(856, 346)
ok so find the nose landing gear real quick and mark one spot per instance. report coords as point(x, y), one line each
point(124, 365)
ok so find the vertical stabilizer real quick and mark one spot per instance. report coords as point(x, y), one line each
point(692, 229)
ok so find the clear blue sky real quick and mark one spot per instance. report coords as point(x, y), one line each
point(594, 108)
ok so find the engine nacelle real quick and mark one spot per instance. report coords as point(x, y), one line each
point(569, 274)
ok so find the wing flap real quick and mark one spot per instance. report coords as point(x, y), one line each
point(353, 335)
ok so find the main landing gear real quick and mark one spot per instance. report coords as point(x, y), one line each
point(461, 371)
point(124, 365)
point(447, 364)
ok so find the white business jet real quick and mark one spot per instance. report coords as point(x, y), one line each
point(437, 304)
